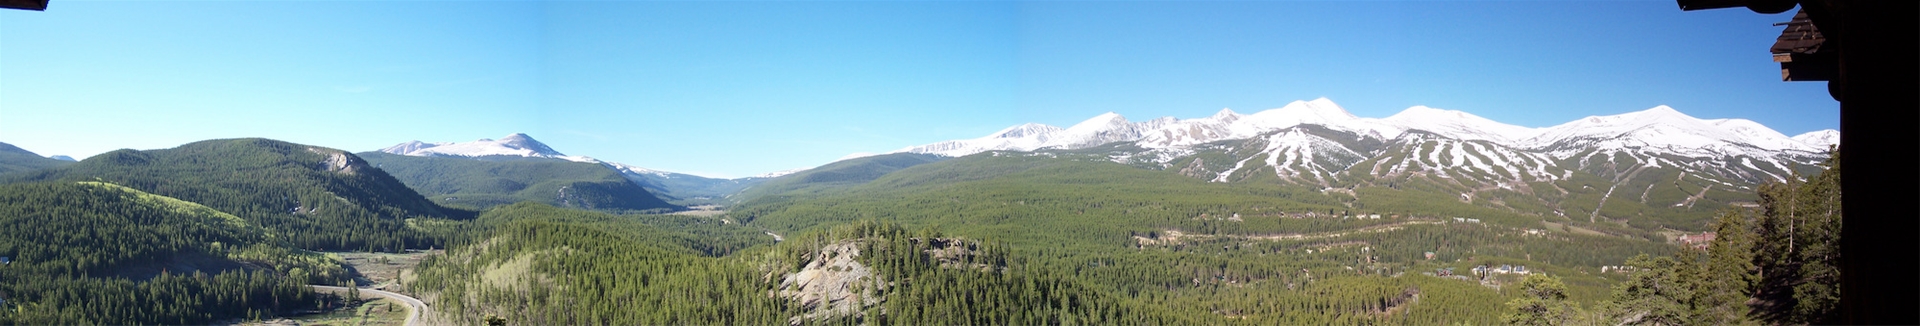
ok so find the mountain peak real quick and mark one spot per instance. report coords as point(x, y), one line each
point(1819, 138)
point(1103, 121)
point(1225, 113)
point(1662, 111)
point(1024, 130)
point(1106, 117)
point(1458, 124)
point(1322, 107)
point(522, 141)
point(408, 147)
point(517, 144)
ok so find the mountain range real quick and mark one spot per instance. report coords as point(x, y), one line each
point(1738, 148)
point(1652, 167)
point(677, 188)
point(14, 158)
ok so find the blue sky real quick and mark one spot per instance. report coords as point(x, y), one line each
point(733, 89)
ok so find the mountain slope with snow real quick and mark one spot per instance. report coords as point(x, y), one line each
point(677, 188)
point(1819, 138)
point(1646, 166)
point(517, 144)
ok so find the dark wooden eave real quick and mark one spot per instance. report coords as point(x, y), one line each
point(1798, 50)
point(37, 5)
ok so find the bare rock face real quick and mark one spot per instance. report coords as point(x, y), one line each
point(339, 161)
point(833, 284)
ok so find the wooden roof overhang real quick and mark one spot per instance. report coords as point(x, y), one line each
point(38, 5)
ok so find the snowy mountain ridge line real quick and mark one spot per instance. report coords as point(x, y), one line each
point(517, 144)
point(1659, 128)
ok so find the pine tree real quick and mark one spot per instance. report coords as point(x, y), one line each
point(1728, 277)
point(1545, 302)
point(1656, 294)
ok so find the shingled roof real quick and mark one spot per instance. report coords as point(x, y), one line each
point(1798, 50)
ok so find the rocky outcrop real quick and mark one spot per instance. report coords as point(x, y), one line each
point(340, 161)
point(833, 284)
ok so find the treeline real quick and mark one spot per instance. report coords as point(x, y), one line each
point(1778, 264)
point(102, 254)
point(165, 299)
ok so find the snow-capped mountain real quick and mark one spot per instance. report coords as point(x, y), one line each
point(1617, 167)
point(1446, 143)
point(1459, 125)
point(1664, 129)
point(517, 144)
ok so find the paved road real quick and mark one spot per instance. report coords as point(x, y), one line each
point(413, 314)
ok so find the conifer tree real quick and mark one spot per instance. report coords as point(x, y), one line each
point(1544, 303)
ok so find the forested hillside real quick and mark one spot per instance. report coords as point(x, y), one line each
point(533, 264)
point(1256, 252)
point(314, 197)
point(844, 173)
point(1778, 264)
point(98, 253)
point(480, 183)
point(13, 159)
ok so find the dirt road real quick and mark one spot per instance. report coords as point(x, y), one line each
point(415, 306)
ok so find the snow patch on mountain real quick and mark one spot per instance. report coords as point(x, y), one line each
point(1663, 129)
point(1459, 124)
point(1819, 138)
point(517, 144)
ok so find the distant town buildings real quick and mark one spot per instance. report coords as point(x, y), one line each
point(1616, 269)
point(1697, 241)
point(1504, 269)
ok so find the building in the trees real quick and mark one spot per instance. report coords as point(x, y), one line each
point(1697, 241)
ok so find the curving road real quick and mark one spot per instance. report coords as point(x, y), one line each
point(415, 307)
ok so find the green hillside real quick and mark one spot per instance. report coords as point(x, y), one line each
point(480, 184)
point(836, 175)
point(314, 197)
point(1046, 238)
point(13, 159)
point(98, 253)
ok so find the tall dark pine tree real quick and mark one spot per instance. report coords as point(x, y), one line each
point(1727, 278)
point(1797, 249)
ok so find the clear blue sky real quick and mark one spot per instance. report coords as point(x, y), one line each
point(733, 89)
